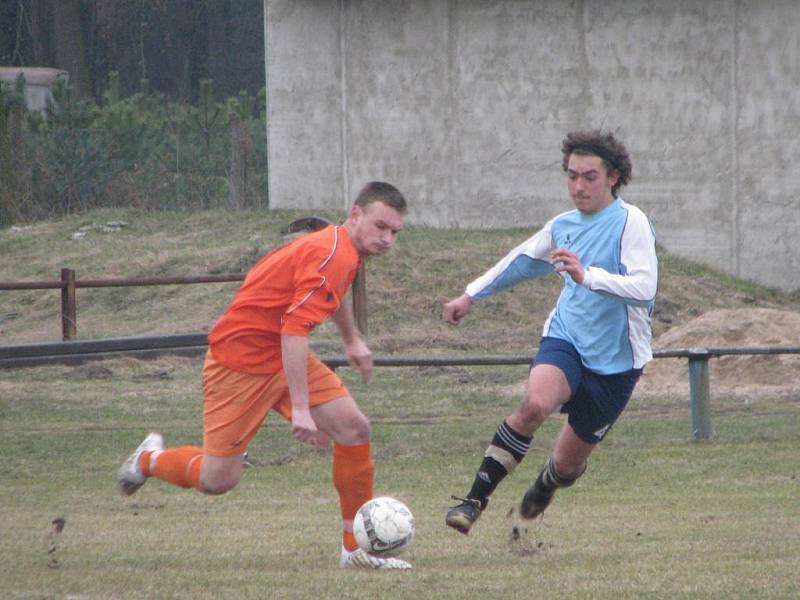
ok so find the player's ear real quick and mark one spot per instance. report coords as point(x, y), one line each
point(613, 178)
point(355, 212)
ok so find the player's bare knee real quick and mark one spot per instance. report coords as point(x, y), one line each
point(532, 413)
point(217, 487)
point(360, 430)
point(350, 430)
point(217, 482)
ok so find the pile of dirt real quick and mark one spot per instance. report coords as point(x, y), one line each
point(737, 376)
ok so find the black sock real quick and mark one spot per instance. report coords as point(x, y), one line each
point(506, 451)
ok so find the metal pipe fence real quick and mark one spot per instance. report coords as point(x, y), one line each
point(193, 344)
point(77, 352)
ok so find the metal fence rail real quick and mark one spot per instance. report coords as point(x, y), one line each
point(71, 352)
point(193, 344)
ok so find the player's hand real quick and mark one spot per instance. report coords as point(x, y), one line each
point(565, 261)
point(322, 440)
point(304, 429)
point(359, 356)
point(457, 309)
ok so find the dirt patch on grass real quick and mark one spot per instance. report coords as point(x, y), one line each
point(737, 376)
point(745, 377)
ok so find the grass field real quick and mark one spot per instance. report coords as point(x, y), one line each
point(656, 516)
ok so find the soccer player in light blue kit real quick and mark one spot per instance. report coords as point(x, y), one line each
point(596, 340)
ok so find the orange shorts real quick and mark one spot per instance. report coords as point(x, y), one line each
point(236, 404)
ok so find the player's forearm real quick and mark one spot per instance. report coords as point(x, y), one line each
point(638, 288)
point(294, 355)
point(345, 320)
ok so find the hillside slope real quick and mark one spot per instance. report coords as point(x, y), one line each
point(405, 288)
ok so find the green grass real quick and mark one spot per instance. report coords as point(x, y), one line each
point(656, 515)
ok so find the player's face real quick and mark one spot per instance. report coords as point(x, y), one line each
point(589, 183)
point(375, 228)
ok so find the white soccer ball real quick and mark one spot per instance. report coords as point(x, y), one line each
point(384, 526)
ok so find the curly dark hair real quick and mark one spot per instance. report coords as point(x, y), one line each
point(604, 145)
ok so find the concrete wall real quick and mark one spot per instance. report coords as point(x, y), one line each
point(463, 105)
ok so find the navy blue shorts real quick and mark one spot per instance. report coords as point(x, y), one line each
point(596, 400)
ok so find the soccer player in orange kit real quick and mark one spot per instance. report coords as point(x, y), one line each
point(259, 360)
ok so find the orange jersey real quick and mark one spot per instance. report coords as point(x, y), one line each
point(289, 291)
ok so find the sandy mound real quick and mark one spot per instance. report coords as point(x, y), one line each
point(738, 376)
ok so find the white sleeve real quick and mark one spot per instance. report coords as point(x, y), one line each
point(528, 260)
point(638, 282)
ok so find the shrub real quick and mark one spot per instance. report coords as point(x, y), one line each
point(137, 151)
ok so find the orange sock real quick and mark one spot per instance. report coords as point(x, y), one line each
point(349, 541)
point(144, 463)
point(353, 476)
point(178, 466)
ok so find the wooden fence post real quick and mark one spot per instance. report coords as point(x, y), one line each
point(69, 317)
point(700, 396)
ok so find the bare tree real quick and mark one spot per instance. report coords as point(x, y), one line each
point(70, 43)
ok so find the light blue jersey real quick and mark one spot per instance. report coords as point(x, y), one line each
point(607, 317)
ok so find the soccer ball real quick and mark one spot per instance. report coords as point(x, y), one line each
point(383, 526)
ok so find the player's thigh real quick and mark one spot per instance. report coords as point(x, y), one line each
point(332, 407)
point(234, 407)
point(343, 420)
point(556, 373)
point(547, 387)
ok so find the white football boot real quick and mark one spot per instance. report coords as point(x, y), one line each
point(358, 559)
point(129, 476)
